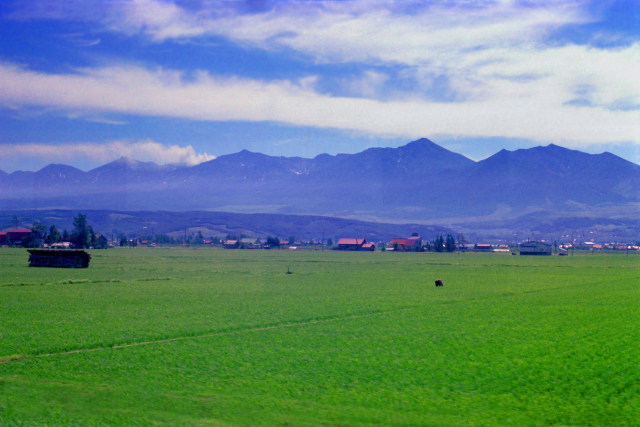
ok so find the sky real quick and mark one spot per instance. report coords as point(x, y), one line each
point(84, 82)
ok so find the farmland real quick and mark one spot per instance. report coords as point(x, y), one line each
point(183, 336)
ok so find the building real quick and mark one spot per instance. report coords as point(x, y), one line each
point(535, 248)
point(483, 247)
point(14, 236)
point(368, 247)
point(231, 244)
point(413, 243)
point(250, 243)
point(59, 258)
point(348, 244)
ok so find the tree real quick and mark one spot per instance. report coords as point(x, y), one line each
point(81, 235)
point(54, 235)
point(15, 221)
point(199, 239)
point(101, 243)
point(462, 243)
point(273, 242)
point(438, 244)
point(329, 242)
point(37, 236)
point(450, 244)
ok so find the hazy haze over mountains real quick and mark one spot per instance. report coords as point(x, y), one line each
point(418, 182)
point(512, 193)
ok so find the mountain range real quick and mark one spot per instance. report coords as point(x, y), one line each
point(419, 182)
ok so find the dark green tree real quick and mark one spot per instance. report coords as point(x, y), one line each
point(273, 242)
point(93, 239)
point(54, 235)
point(438, 244)
point(462, 243)
point(81, 236)
point(37, 236)
point(450, 243)
point(329, 242)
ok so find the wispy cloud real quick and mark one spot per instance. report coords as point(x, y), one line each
point(512, 108)
point(99, 153)
point(456, 67)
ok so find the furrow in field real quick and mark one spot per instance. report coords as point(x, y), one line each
point(213, 334)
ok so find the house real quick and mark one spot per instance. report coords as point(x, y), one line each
point(368, 247)
point(482, 247)
point(14, 236)
point(413, 243)
point(231, 244)
point(348, 244)
point(61, 245)
point(4, 240)
point(535, 248)
point(250, 243)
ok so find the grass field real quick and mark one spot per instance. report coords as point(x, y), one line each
point(214, 337)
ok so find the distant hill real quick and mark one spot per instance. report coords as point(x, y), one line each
point(222, 223)
point(420, 182)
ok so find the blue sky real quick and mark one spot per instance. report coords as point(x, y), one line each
point(85, 82)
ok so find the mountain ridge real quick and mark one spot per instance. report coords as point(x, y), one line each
point(420, 181)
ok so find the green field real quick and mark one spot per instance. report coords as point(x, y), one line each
point(215, 337)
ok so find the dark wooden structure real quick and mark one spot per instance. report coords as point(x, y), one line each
point(535, 248)
point(73, 258)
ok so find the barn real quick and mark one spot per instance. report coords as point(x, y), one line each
point(348, 244)
point(413, 243)
point(250, 243)
point(14, 236)
point(368, 247)
point(73, 258)
point(483, 247)
point(535, 248)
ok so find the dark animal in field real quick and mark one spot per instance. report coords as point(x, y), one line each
point(439, 283)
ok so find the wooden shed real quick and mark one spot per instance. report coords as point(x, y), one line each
point(74, 258)
point(535, 248)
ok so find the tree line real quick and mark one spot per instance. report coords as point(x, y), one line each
point(81, 236)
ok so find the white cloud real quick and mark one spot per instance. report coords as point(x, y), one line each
point(489, 59)
point(535, 109)
point(99, 153)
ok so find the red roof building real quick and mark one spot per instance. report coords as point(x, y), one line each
point(413, 243)
point(348, 244)
point(14, 236)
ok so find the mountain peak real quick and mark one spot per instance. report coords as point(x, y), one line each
point(56, 168)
